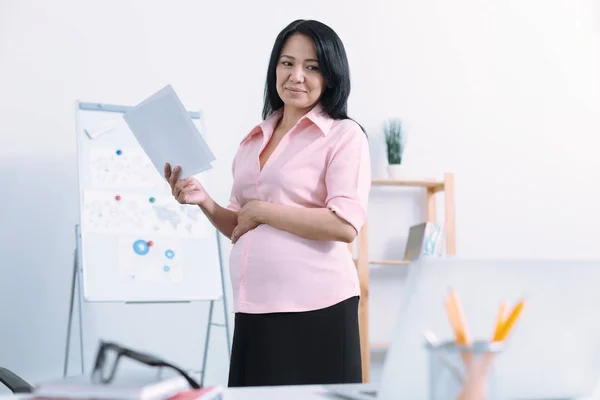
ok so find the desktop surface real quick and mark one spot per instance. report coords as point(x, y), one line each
point(302, 392)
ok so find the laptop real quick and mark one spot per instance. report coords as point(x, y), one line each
point(553, 351)
point(415, 242)
point(424, 239)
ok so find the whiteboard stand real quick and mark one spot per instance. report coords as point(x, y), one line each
point(77, 284)
point(71, 306)
point(115, 174)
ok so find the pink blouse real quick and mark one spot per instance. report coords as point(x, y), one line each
point(320, 163)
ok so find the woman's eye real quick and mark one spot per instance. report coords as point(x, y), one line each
point(313, 68)
point(286, 63)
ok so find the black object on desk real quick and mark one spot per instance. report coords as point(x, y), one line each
point(105, 373)
point(14, 382)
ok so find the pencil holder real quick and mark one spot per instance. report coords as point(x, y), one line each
point(462, 372)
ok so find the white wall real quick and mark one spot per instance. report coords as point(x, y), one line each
point(505, 94)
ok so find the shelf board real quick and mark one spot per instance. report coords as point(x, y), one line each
point(379, 346)
point(389, 262)
point(433, 184)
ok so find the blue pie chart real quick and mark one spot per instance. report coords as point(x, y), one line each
point(141, 247)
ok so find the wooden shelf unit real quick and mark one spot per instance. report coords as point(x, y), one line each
point(362, 261)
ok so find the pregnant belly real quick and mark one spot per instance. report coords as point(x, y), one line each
point(276, 260)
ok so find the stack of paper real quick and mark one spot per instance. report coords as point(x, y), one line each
point(128, 388)
point(166, 132)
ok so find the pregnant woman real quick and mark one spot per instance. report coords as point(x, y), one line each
point(301, 181)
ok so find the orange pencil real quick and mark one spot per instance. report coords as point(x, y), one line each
point(457, 319)
point(511, 320)
point(458, 333)
point(459, 326)
point(461, 321)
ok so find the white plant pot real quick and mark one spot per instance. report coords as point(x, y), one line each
point(395, 171)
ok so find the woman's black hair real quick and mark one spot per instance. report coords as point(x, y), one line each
point(333, 64)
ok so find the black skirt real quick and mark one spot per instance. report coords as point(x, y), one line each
point(297, 348)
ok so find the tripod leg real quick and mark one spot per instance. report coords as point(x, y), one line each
point(69, 323)
point(80, 297)
point(225, 308)
point(207, 340)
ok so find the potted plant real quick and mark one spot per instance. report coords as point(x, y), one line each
point(395, 141)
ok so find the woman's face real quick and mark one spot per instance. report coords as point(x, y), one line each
point(299, 79)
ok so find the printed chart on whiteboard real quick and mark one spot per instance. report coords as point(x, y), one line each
point(138, 242)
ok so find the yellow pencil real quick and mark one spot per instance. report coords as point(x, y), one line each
point(499, 321)
point(511, 320)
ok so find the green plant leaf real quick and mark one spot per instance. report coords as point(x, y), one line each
point(395, 140)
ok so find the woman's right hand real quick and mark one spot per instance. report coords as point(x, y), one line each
point(185, 191)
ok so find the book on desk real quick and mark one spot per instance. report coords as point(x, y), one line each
point(130, 388)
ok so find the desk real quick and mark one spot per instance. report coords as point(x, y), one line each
point(301, 393)
point(308, 392)
point(304, 392)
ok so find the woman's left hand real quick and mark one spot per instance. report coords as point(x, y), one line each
point(249, 217)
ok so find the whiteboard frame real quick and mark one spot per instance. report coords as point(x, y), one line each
point(122, 109)
point(87, 106)
point(77, 279)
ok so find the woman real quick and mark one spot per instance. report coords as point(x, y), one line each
point(300, 192)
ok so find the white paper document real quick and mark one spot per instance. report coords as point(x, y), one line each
point(166, 132)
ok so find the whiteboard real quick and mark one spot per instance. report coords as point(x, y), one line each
point(136, 243)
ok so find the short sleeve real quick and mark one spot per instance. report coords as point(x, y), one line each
point(348, 177)
point(234, 203)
